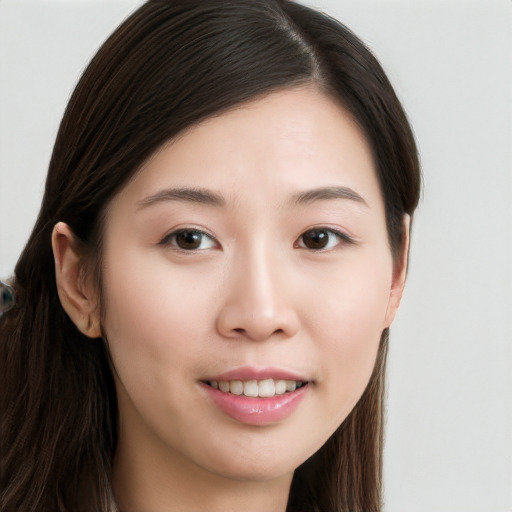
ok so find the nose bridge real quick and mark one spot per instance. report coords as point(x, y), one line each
point(262, 286)
point(257, 300)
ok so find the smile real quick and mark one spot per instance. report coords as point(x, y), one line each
point(266, 388)
point(257, 410)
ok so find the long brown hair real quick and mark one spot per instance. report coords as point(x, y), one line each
point(168, 66)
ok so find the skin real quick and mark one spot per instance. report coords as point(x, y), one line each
point(253, 294)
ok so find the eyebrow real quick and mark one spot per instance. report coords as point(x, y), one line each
point(204, 196)
point(327, 193)
point(189, 195)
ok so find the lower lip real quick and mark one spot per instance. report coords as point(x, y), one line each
point(257, 411)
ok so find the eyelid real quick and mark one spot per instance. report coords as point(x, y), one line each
point(344, 238)
point(166, 240)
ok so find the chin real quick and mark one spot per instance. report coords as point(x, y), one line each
point(258, 465)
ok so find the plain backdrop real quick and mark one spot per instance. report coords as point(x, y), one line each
point(449, 425)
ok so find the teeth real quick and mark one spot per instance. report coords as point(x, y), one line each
point(266, 388)
point(236, 387)
point(251, 388)
point(291, 385)
point(281, 387)
point(224, 386)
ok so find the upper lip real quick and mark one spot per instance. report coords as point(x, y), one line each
point(251, 373)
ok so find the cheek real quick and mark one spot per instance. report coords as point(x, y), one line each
point(351, 297)
point(155, 318)
point(349, 321)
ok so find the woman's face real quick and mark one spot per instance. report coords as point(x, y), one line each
point(250, 254)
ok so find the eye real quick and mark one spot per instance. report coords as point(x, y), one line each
point(189, 240)
point(321, 239)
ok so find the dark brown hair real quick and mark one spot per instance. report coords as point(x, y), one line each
point(167, 67)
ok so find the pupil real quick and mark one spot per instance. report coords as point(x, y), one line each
point(315, 239)
point(188, 239)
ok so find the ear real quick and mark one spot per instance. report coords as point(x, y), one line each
point(399, 274)
point(75, 288)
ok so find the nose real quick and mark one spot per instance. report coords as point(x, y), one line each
point(257, 302)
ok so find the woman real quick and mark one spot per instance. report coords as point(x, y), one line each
point(203, 306)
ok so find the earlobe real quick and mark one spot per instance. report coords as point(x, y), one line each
point(399, 274)
point(76, 293)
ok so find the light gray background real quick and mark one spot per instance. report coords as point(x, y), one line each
point(449, 427)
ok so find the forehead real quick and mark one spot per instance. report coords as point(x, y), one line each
point(284, 143)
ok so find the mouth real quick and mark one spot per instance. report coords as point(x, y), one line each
point(265, 388)
point(256, 402)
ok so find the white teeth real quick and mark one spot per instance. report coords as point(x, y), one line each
point(224, 386)
point(266, 388)
point(236, 387)
point(251, 388)
point(280, 387)
point(291, 385)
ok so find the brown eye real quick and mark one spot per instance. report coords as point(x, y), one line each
point(189, 240)
point(315, 239)
point(320, 239)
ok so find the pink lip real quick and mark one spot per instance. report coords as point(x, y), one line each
point(257, 411)
point(250, 373)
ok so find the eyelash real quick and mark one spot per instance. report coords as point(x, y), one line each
point(171, 239)
point(342, 238)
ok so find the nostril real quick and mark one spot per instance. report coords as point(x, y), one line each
point(245, 332)
point(238, 321)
